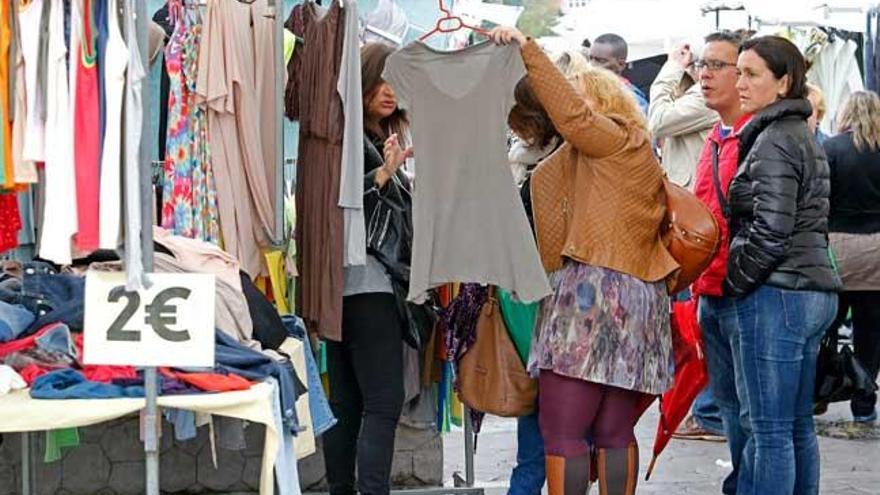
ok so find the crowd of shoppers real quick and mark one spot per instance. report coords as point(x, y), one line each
point(735, 124)
point(770, 293)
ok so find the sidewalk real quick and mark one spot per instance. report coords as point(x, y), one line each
point(849, 467)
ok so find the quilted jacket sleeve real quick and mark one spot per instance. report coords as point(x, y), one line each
point(592, 134)
point(774, 181)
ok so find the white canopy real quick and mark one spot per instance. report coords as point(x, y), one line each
point(653, 27)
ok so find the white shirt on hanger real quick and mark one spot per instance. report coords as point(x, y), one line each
point(59, 214)
point(114, 64)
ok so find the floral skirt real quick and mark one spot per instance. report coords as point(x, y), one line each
point(606, 327)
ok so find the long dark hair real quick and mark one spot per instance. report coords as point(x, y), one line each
point(373, 56)
point(783, 58)
point(528, 119)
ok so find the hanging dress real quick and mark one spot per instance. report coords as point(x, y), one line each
point(189, 199)
point(87, 136)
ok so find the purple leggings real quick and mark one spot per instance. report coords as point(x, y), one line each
point(573, 413)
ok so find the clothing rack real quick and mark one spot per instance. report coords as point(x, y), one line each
point(723, 8)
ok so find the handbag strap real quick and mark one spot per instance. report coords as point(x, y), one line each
point(716, 178)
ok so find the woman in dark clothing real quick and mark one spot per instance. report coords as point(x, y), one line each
point(854, 159)
point(365, 369)
point(779, 270)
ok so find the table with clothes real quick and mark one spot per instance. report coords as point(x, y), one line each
point(259, 359)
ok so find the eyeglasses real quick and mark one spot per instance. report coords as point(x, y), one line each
point(712, 65)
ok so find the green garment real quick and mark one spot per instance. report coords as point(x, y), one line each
point(289, 45)
point(59, 439)
point(520, 319)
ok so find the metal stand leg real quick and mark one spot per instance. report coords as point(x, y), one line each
point(468, 448)
point(25, 463)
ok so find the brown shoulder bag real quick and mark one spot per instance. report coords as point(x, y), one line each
point(491, 376)
point(690, 234)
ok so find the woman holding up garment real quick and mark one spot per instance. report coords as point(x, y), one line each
point(603, 344)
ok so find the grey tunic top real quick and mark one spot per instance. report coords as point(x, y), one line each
point(469, 223)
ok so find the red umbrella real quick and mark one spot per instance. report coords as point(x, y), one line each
point(690, 375)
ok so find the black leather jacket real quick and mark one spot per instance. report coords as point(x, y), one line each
point(779, 203)
point(388, 215)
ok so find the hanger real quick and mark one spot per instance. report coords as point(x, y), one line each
point(458, 23)
point(341, 3)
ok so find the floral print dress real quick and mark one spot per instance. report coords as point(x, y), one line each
point(189, 196)
point(605, 327)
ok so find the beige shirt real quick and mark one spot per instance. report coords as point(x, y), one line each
point(682, 122)
point(468, 220)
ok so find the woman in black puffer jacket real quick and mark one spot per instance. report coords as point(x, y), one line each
point(779, 269)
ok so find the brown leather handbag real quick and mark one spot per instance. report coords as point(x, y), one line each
point(491, 376)
point(690, 233)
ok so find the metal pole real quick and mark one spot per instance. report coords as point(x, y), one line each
point(468, 448)
point(25, 463)
point(151, 412)
point(280, 71)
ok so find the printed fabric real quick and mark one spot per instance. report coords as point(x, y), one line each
point(189, 204)
point(606, 327)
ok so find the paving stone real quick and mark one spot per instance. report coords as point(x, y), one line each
point(230, 466)
point(311, 470)
point(254, 435)
point(129, 478)
point(47, 477)
point(428, 463)
point(177, 471)
point(252, 471)
point(93, 433)
point(121, 442)
point(85, 469)
point(8, 480)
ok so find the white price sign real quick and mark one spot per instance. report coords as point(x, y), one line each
point(169, 324)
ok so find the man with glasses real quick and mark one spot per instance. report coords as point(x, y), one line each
point(717, 314)
point(610, 51)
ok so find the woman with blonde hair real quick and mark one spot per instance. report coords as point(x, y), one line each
point(602, 342)
point(854, 223)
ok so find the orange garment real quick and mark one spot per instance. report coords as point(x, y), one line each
point(210, 382)
point(5, 102)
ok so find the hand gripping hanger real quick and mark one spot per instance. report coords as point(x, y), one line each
point(457, 23)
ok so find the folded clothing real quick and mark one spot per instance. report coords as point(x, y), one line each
point(71, 384)
point(209, 382)
point(14, 320)
point(233, 357)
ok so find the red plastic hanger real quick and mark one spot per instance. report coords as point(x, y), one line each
point(449, 17)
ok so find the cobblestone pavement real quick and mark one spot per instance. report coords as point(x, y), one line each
point(849, 466)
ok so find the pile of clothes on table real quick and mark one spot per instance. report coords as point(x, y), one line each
point(41, 341)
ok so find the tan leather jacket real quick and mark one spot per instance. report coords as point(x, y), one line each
point(599, 199)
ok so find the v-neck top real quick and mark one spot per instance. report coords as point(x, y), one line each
point(469, 223)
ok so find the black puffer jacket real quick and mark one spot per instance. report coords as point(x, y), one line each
point(779, 202)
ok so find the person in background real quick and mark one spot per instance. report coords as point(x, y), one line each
point(365, 369)
point(610, 52)
point(817, 100)
point(536, 138)
point(854, 159)
point(779, 270)
point(599, 354)
point(717, 313)
point(679, 116)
